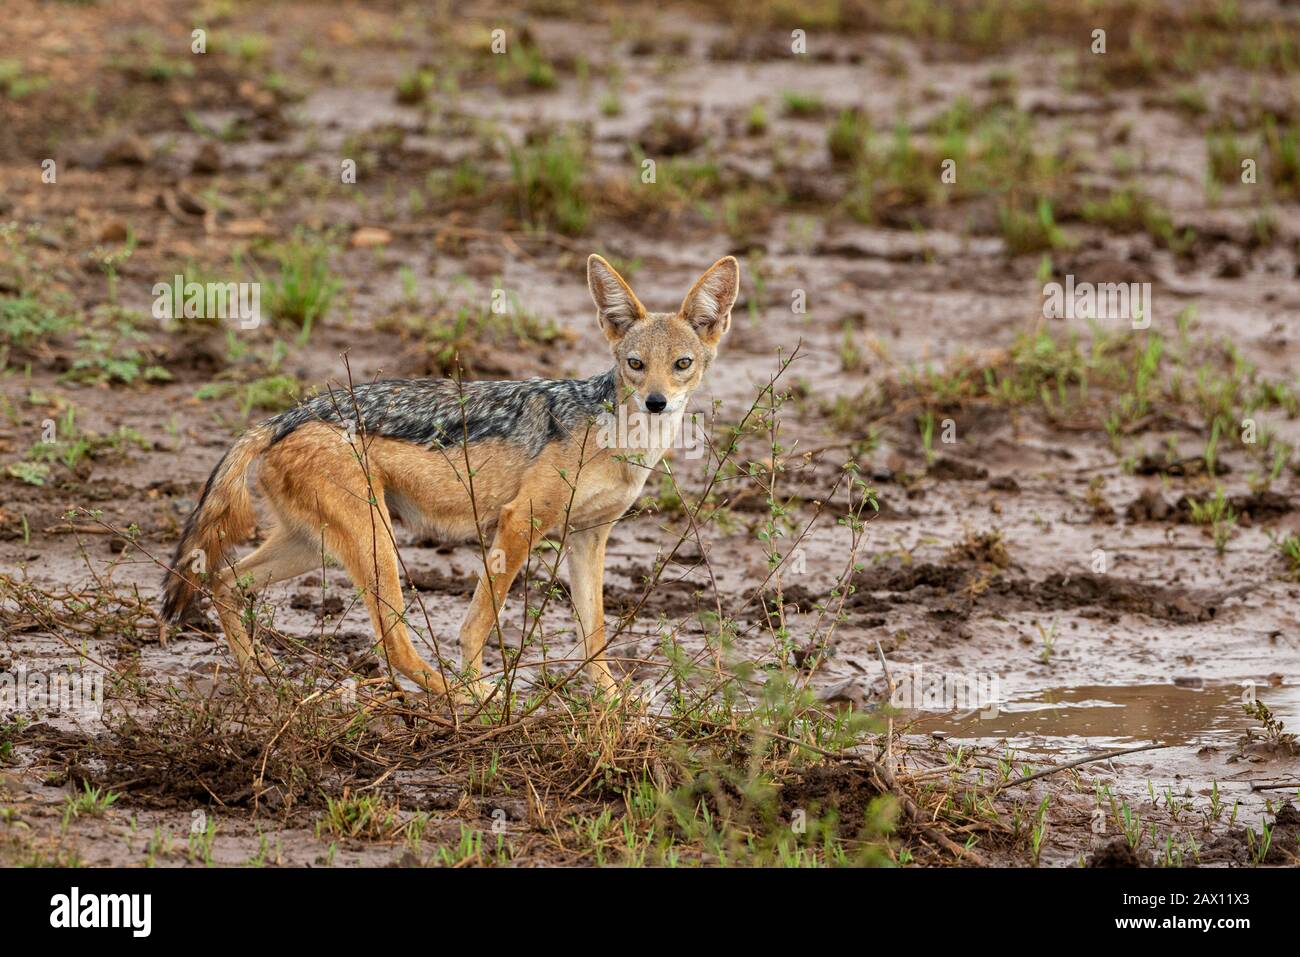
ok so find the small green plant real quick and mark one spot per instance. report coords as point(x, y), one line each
point(1223, 156)
point(611, 104)
point(1212, 447)
point(1048, 636)
point(414, 87)
point(1283, 147)
point(201, 840)
point(524, 65)
point(851, 357)
point(1260, 843)
point(358, 817)
point(463, 181)
point(453, 340)
point(1289, 547)
point(263, 851)
point(745, 213)
point(25, 321)
point(1130, 824)
point(301, 292)
point(1216, 802)
point(117, 355)
point(1127, 210)
point(32, 473)
point(802, 104)
point(470, 848)
point(91, 802)
point(158, 845)
point(927, 436)
point(1030, 231)
point(1217, 513)
point(1275, 732)
point(249, 47)
point(1039, 832)
point(16, 83)
point(271, 393)
point(9, 730)
point(550, 183)
point(846, 140)
point(72, 447)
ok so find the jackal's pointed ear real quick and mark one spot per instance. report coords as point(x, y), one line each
point(616, 305)
point(707, 306)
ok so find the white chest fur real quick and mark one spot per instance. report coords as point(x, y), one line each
point(639, 437)
point(638, 442)
point(661, 435)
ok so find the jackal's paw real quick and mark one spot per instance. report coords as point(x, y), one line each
point(262, 662)
point(476, 691)
point(642, 697)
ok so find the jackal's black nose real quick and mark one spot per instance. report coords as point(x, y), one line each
point(655, 402)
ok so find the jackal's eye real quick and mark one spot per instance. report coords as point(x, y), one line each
point(683, 363)
point(635, 364)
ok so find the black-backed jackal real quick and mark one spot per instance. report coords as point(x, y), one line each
point(516, 460)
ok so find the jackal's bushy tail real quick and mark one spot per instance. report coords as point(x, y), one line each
point(223, 518)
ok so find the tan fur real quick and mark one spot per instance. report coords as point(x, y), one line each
point(227, 519)
point(331, 495)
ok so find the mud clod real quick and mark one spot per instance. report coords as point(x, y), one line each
point(1117, 853)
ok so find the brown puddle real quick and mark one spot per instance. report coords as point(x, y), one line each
point(1172, 714)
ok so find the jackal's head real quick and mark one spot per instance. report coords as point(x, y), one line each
point(661, 357)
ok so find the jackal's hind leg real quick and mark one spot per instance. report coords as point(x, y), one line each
point(360, 535)
point(283, 555)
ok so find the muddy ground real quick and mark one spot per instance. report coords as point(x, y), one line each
point(1047, 524)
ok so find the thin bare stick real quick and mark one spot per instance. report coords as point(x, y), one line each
point(1089, 759)
point(889, 690)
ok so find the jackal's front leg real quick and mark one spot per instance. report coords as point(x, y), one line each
point(587, 586)
point(518, 528)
